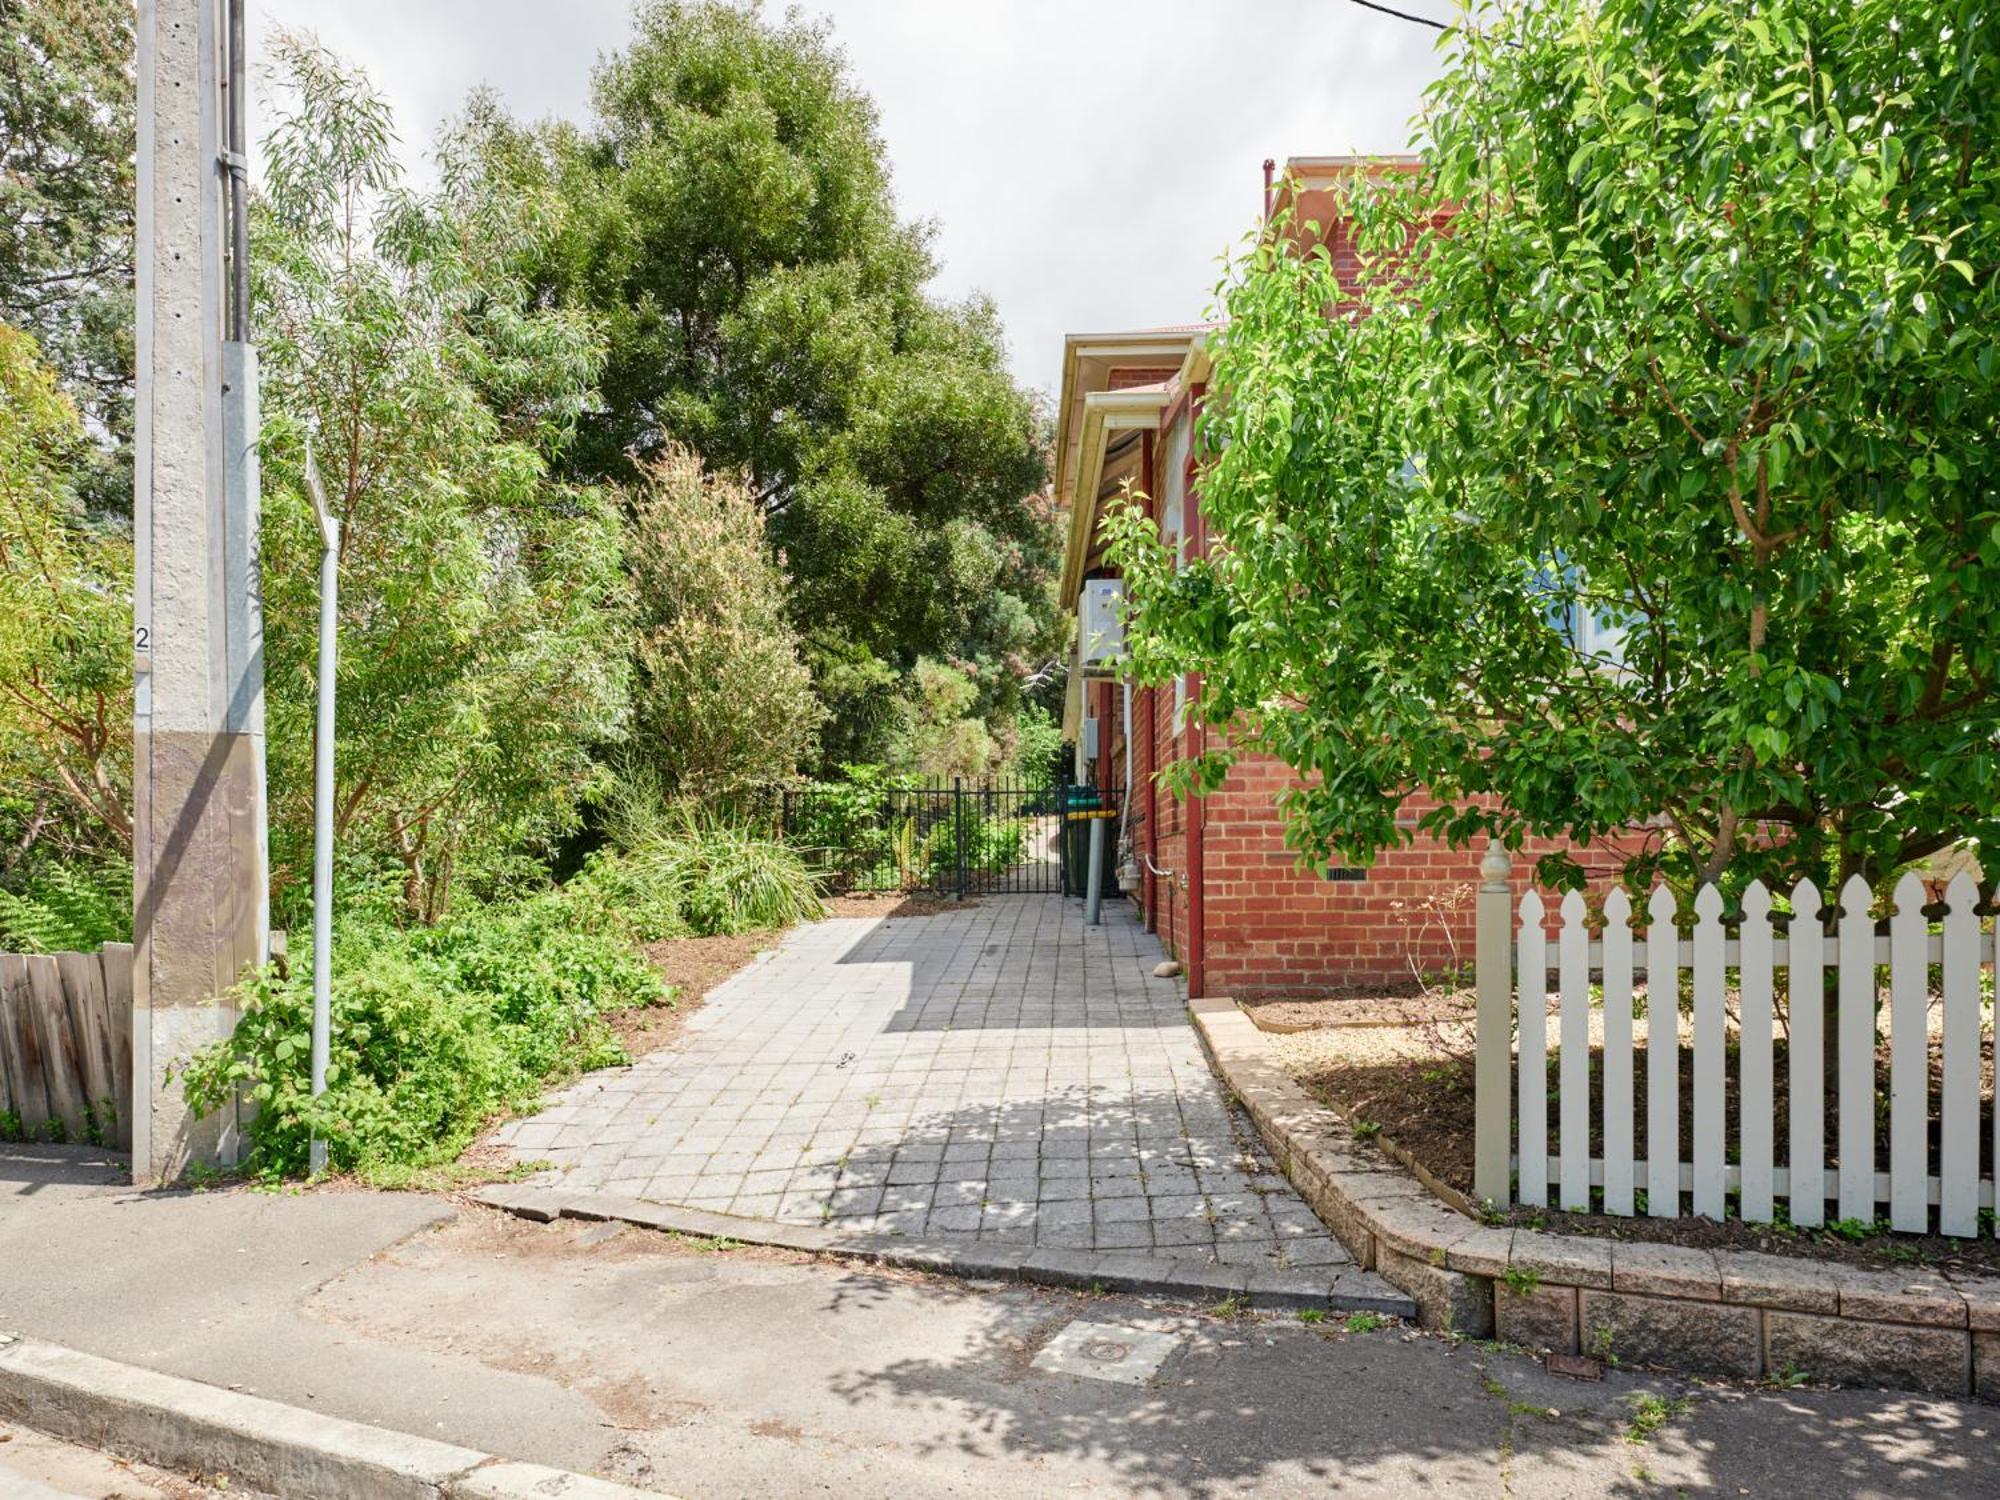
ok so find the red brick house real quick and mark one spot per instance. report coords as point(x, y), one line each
point(1214, 876)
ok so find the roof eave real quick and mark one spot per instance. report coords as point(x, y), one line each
point(1104, 412)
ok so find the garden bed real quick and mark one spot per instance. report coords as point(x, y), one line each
point(1410, 1084)
point(692, 966)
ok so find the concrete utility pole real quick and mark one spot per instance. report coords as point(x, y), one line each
point(201, 905)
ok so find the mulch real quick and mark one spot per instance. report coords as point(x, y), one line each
point(1424, 1105)
point(1356, 1008)
point(692, 966)
point(893, 904)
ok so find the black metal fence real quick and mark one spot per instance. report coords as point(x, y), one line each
point(944, 837)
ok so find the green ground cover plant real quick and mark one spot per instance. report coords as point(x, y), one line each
point(435, 1031)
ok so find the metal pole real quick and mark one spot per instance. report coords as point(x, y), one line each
point(958, 828)
point(236, 160)
point(329, 608)
point(1093, 880)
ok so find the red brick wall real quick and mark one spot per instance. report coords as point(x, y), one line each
point(1127, 377)
point(1273, 929)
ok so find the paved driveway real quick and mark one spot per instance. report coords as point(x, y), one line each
point(1001, 1072)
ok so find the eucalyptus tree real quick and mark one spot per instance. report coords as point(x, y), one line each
point(481, 599)
point(1659, 488)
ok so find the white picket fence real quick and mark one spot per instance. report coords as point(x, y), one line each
point(1935, 1143)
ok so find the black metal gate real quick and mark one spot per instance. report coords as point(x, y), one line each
point(945, 837)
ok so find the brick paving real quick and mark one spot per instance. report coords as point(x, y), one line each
point(1001, 1073)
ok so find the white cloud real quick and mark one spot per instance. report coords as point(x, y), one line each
point(1087, 161)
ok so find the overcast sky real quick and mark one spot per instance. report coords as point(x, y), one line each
point(1087, 161)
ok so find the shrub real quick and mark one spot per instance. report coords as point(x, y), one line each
point(943, 733)
point(721, 699)
point(848, 829)
point(990, 845)
point(434, 1031)
point(68, 909)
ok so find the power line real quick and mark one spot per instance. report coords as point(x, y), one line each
point(1402, 15)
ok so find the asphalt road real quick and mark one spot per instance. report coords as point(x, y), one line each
point(729, 1372)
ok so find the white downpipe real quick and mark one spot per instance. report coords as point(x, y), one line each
point(1127, 686)
point(329, 602)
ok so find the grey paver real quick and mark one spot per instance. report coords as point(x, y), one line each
point(998, 1073)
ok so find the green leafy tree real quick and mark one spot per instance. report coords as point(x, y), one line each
point(1707, 360)
point(67, 102)
point(65, 643)
point(941, 734)
point(480, 599)
point(721, 699)
point(730, 222)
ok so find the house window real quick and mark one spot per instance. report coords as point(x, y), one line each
point(1595, 634)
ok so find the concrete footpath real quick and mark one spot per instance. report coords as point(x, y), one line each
point(712, 1371)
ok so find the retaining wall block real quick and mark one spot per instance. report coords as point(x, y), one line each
point(1848, 1351)
point(1446, 1299)
point(1986, 1366)
point(1713, 1338)
point(1541, 1317)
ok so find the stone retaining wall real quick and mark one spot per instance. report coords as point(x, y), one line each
point(1734, 1313)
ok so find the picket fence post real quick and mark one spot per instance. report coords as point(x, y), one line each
point(1493, 1107)
point(1958, 1108)
point(1618, 1155)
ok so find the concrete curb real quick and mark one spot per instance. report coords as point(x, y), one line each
point(1348, 1289)
point(187, 1426)
point(1721, 1312)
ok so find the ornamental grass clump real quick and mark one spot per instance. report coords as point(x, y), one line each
point(720, 877)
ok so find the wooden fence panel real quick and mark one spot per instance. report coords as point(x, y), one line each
point(48, 1014)
point(1708, 1054)
point(1935, 1144)
point(1573, 963)
point(117, 959)
point(90, 1014)
point(1934, 1140)
point(1856, 1024)
point(1618, 1053)
point(62, 1056)
point(20, 1049)
point(66, 1044)
point(9, 1107)
point(1909, 1062)
point(1663, 1059)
